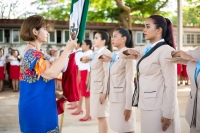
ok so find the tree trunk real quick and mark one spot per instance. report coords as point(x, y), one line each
point(124, 16)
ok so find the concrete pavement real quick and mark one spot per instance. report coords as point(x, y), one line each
point(9, 115)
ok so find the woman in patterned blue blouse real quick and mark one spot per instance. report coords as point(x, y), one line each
point(37, 100)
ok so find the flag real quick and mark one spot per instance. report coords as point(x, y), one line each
point(69, 84)
point(78, 17)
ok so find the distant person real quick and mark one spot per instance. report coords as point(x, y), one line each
point(2, 69)
point(15, 69)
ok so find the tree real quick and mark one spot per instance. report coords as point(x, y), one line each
point(12, 7)
point(191, 14)
point(124, 11)
point(3, 7)
point(54, 9)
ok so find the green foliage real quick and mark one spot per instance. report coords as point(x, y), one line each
point(52, 10)
point(104, 10)
point(191, 16)
point(107, 10)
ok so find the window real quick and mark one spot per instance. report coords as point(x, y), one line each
point(7, 34)
point(59, 36)
point(52, 37)
point(1, 35)
point(140, 38)
point(15, 36)
point(188, 38)
point(87, 35)
point(192, 38)
point(66, 35)
point(198, 39)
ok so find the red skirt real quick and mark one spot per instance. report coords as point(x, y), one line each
point(179, 69)
point(2, 75)
point(184, 72)
point(82, 85)
point(14, 72)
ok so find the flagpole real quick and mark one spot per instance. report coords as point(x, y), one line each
point(62, 118)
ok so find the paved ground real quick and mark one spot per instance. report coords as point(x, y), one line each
point(9, 115)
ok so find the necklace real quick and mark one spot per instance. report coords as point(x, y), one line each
point(33, 45)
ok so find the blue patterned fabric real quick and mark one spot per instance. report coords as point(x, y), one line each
point(197, 71)
point(37, 99)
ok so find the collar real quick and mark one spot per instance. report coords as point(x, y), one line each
point(152, 45)
point(79, 49)
point(101, 49)
point(89, 51)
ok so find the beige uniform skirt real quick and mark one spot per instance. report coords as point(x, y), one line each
point(117, 120)
point(151, 122)
point(98, 110)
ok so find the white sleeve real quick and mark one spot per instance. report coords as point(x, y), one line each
point(89, 67)
point(77, 58)
point(66, 65)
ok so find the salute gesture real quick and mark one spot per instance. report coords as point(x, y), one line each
point(132, 52)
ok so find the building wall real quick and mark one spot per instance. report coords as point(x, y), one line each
point(9, 37)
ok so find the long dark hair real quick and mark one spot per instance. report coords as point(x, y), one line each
point(167, 28)
point(88, 42)
point(129, 36)
point(105, 36)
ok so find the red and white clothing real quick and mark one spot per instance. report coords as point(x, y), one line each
point(78, 55)
point(84, 69)
point(14, 67)
point(2, 63)
point(85, 66)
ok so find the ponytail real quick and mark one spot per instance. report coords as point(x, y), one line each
point(169, 37)
point(105, 36)
point(128, 34)
point(131, 39)
point(109, 45)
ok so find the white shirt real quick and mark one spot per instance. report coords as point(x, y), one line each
point(2, 61)
point(101, 49)
point(14, 61)
point(85, 66)
point(79, 52)
point(152, 45)
point(8, 55)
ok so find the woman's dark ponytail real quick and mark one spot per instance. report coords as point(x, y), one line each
point(109, 45)
point(169, 36)
point(131, 40)
point(128, 34)
point(105, 36)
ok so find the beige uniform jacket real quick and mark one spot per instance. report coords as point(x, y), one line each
point(157, 81)
point(99, 73)
point(121, 81)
